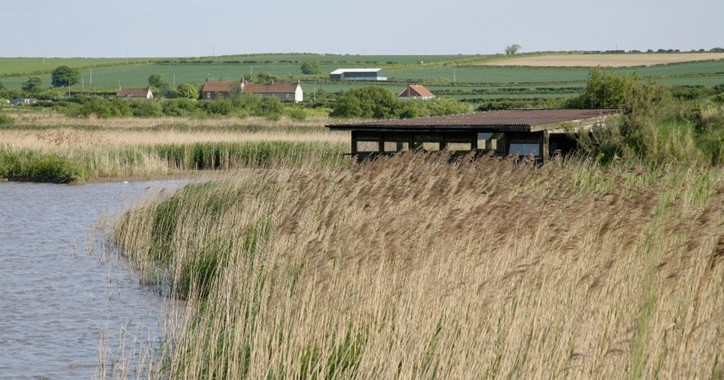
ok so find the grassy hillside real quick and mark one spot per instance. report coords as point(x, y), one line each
point(484, 269)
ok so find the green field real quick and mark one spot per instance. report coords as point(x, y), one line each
point(456, 76)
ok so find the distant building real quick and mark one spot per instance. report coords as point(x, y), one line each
point(416, 91)
point(284, 91)
point(134, 93)
point(23, 101)
point(220, 89)
point(357, 74)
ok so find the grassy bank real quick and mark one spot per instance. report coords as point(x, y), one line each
point(410, 267)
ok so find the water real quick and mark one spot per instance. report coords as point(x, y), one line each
point(58, 299)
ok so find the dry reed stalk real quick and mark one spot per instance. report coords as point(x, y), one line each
point(410, 267)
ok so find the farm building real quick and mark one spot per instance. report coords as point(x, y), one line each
point(219, 89)
point(23, 101)
point(357, 74)
point(416, 91)
point(539, 133)
point(283, 91)
point(134, 93)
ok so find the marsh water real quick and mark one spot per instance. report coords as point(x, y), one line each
point(65, 300)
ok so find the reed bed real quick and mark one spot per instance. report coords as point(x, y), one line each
point(411, 267)
point(74, 164)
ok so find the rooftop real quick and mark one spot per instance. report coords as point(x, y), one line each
point(221, 86)
point(416, 90)
point(507, 120)
point(341, 71)
point(270, 88)
point(132, 92)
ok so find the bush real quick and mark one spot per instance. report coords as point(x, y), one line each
point(603, 90)
point(217, 107)
point(146, 108)
point(179, 107)
point(367, 102)
point(103, 108)
point(298, 114)
point(271, 108)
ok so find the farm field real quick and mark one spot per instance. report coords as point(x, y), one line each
point(603, 60)
point(475, 81)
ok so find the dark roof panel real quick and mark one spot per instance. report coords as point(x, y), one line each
point(497, 119)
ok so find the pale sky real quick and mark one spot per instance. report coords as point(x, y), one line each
point(181, 28)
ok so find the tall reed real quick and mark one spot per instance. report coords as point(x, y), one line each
point(410, 267)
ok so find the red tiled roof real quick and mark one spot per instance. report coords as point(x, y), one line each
point(220, 86)
point(523, 120)
point(272, 88)
point(416, 90)
point(132, 92)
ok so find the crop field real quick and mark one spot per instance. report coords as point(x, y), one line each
point(603, 60)
point(461, 77)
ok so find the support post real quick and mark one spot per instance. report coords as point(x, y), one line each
point(353, 148)
point(545, 146)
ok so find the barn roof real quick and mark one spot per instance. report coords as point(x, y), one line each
point(220, 86)
point(504, 121)
point(132, 92)
point(270, 88)
point(341, 71)
point(415, 90)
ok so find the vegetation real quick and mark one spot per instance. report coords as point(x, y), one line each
point(483, 269)
point(310, 68)
point(512, 49)
point(33, 85)
point(376, 102)
point(652, 126)
point(64, 76)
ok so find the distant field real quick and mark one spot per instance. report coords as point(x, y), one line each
point(15, 66)
point(604, 60)
point(454, 76)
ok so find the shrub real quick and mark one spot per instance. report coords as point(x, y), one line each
point(366, 102)
point(179, 107)
point(146, 108)
point(298, 114)
point(217, 107)
point(271, 108)
point(103, 108)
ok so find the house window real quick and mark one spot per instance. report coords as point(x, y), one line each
point(208, 95)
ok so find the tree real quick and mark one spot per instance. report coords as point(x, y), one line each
point(512, 49)
point(33, 85)
point(64, 76)
point(310, 67)
point(2, 86)
point(367, 102)
point(186, 90)
point(155, 80)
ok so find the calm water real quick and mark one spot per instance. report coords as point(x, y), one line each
point(57, 298)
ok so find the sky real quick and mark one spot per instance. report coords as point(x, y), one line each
point(185, 28)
